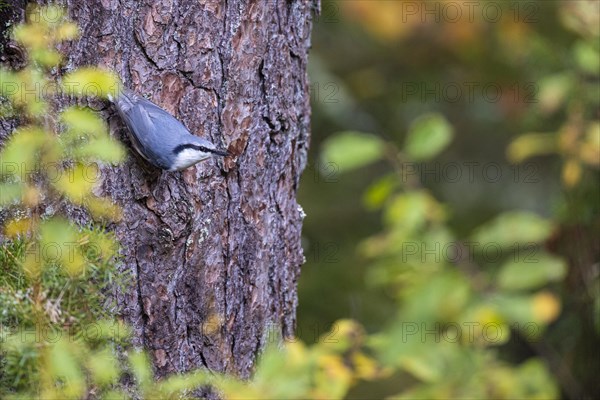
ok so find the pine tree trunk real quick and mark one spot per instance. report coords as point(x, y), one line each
point(214, 250)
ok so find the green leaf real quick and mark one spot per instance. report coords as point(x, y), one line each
point(554, 90)
point(116, 395)
point(104, 367)
point(60, 244)
point(531, 144)
point(350, 150)
point(46, 57)
point(10, 193)
point(19, 158)
point(407, 211)
point(102, 149)
point(442, 297)
point(536, 382)
point(10, 84)
point(24, 90)
point(77, 183)
point(514, 307)
point(380, 191)
point(57, 230)
point(411, 210)
point(87, 137)
point(64, 366)
point(114, 330)
point(279, 375)
point(178, 384)
point(427, 365)
point(530, 311)
point(83, 121)
point(587, 57)
point(140, 366)
point(91, 82)
point(511, 228)
point(428, 136)
point(530, 274)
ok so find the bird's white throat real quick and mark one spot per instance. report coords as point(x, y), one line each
point(188, 157)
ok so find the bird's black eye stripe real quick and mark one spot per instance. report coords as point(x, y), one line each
point(182, 147)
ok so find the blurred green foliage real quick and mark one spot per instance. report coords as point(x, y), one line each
point(54, 276)
point(452, 313)
point(480, 208)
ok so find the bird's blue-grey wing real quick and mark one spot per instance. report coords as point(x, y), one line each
point(142, 130)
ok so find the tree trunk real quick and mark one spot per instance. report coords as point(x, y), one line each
point(214, 250)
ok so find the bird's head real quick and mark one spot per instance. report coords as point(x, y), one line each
point(194, 150)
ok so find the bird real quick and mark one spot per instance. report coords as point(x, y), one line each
point(159, 137)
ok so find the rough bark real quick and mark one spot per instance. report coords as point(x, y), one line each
point(214, 250)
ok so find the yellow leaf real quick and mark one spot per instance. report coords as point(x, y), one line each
point(333, 377)
point(67, 31)
point(569, 136)
point(366, 367)
point(296, 352)
point(101, 247)
point(103, 208)
point(91, 82)
point(74, 264)
point(589, 152)
point(76, 183)
point(17, 227)
point(31, 196)
point(489, 329)
point(571, 173)
point(33, 36)
point(531, 144)
point(212, 324)
point(342, 335)
point(546, 306)
point(334, 366)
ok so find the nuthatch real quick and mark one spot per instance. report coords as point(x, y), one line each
point(158, 137)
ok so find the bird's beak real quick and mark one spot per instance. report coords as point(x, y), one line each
point(223, 153)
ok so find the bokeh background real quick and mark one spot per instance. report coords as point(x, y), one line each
point(508, 92)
